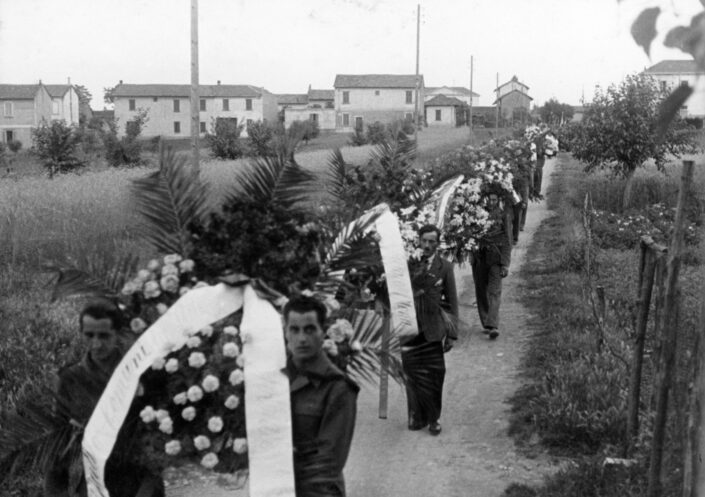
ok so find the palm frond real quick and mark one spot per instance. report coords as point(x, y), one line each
point(276, 179)
point(335, 176)
point(353, 247)
point(169, 200)
point(397, 152)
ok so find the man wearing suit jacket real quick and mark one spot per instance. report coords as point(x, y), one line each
point(436, 302)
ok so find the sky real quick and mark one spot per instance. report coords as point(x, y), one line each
point(559, 48)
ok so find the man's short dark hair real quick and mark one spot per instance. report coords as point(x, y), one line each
point(103, 309)
point(303, 304)
point(428, 228)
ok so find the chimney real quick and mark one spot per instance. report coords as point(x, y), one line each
point(120, 81)
point(218, 82)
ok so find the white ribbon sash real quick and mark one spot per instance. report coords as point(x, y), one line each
point(445, 192)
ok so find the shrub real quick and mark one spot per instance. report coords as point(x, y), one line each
point(376, 133)
point(224, 141)
point(259, 136)
point(304, 130)
point(358, 138)
point(128, 149)
point(14, 146)
point(56, 144)
point(572, 256)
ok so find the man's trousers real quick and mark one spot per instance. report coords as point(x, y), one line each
point(425, 370)
point(486, 273)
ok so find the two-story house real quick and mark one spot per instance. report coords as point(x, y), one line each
point(461, 93)
point(168, 107)
point(64, 103)
point(513, 100)
point(23, 107)
point(672, 73)
point(362, 99)
point(316, 105)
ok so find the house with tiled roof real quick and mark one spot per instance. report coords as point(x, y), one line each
point(460, 92)
point(445, 111)
point(362, 99)
point(672, 73)
point(24, 107)
point(168, 107)
point(316, 105)
point(513, 100)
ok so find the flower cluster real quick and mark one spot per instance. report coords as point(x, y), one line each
point(193, 401)
point(532, 132)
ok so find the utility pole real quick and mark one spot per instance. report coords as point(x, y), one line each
point(70, 103)
point(416, 104)
point(470, 113)
point(195, 102)
point(496, 114)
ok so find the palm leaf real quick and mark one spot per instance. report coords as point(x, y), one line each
point(169, 200)
point(353, 247)
point(335, 176)
point(397, 152)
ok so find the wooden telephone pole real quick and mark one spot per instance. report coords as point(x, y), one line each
point(416, 103)
point(195, 101)
point(470, 113)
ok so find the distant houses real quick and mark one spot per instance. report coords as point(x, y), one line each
point(316, 105)
point(513, 100)
point(672, 73)
point(25, 107)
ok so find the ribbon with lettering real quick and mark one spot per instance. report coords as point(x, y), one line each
point(444, 193)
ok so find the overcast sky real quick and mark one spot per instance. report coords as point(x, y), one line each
point(559, 48)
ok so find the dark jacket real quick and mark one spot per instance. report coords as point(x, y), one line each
point(499, 240)
point(434, 290)
point(78, 391)
point(323, 410)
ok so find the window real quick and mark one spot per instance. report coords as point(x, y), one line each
point(358, 123)
point(177, 105)
point(313, 118)
point(684, 83)
point(132, 104)
point(248, 104)
point(346, 120)
point(203, 104)
point(54, 107)
point(409, 98)
point(177, 125)
point(203, 126)
point(664, 86)
point(376, 93)
point(409, 117)
point(438, 114)
point(9, 109)
point(226, 104)
point(346, 97)
point(154, 99)
point(9, 136)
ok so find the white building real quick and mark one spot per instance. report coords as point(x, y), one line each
point(461, 93)
point(672, 73)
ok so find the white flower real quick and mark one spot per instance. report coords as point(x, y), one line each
point(201, 442)
point(232, 402)
point(194, 393)
point(330, 347)
point(162, 308)
point(140, 390)
point(332, 306)
point(307, 293)
point(172, 365)
point(200, 284)
point(172, 259)
point(180, 398)
point(196, 359)
point(170, 283)
point(231, 349)
point(236, 377)
point(240, 445)
point(143, 275)
point(356, 346)
point(209, 461)
point(188, 413)
point(170, 270)
point(193, 342)
point(231, 330)
point(152, 290)
point(148, 414)
point(340, 330)
point(183, 290)
point(210, 383)
point(206, 331)
point(240, 361)
point(215, 424)
point(161, 414)
point(172, 447)
point(186, 266)
point(166, 425)
point(158, 363)
point(137, 325)
point(130, 288)
point(154, 265)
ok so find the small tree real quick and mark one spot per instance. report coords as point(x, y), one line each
point(56, 144)
point(128, 149)
point(304, 130)
point(376, 133)
point(224, 139)
point(619, 130)
point(259, 136)
point(554, 113)
point(14, 146)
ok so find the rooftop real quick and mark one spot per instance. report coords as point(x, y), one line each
point(161, 90)
point(443, 101)
point(674, 67)
point(457, 89)
point(377, 81)
point(321, 94)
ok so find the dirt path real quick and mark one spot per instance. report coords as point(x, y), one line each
point(474, 456)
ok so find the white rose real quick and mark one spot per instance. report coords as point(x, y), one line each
point(180, 398)
point(215, 424)
point(240, 445)
point(137, 325)
point(152, 290)
point(161, 414)
point(356, 346)
point(340, 330)
point(166, 425)
point(231, 330)
point(206, 331)
point(332, 306)
point(186, 266)
point(194, 393)
point(172, 365)
point(188, 413)
point(236, 377)
point(183, 290)
point(210, 383)
point(172, 447)
point(231, 349)
point(307, 293)
point(330, 347)
point(170, 283)
point(209, 461)
point(154, 265)
point(170, 270)
point(147, 414)
point(162, 308)
point(196, 359)
point(193, 342)
point(143, 275)
point(201, 442)
point(158, 363)
point(240, 361)
point(172, 259)
point(232, 402)
point(200, 284)
point(130, 288)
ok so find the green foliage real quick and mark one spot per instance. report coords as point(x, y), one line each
point(304, 130)
point(358, 138)
point(126, 150)
point(224, 139)
point(108, 97)
point(554, 112)
point(259, 137)
point(572, 256)
point(376, 133)
point(55, 144)
point(14, 146)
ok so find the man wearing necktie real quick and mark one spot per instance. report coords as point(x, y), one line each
point(436, 302)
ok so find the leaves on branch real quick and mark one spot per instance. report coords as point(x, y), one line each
point(689, 39)
point(669, 108)
point(644, 28)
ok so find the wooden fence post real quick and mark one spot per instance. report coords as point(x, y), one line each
point(694, 483)
point(384, 373)
point(668, 328)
